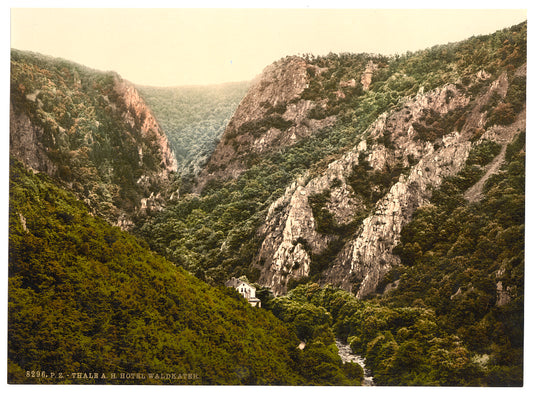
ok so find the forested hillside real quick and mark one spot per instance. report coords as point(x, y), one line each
point(92, 132)
point(395, 128)
point(87, 297)
point(452, 312)
point(374, 200)
point(193, 118)
point(413, 199)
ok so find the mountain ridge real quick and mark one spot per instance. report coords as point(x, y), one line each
point(90, 130)
point(410, 188)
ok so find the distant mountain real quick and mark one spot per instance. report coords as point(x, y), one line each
point(93, 132)
point(194, 118)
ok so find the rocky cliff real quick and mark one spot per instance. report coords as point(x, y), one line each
point(92, 132)
point(327, 159)
point(345, 225)
point(272, 115)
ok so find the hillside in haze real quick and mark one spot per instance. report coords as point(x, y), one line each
point(374, 202)
point(194, 118)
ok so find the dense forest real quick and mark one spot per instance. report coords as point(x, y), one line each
point(193, 118)
point(415, 334)
point(88, 296)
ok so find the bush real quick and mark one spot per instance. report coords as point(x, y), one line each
point(502, 114)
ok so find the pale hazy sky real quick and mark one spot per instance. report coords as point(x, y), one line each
point(167, 47)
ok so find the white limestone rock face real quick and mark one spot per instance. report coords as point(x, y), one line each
point(290, 235)
point(369, 256)
point(366, 78)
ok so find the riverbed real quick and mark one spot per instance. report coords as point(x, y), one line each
point(347, 355)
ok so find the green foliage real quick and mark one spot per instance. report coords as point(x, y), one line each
point(88, 297)
point(483, 153)
point(194, 118)
point(260, 126)
point(319, 360)
point(325, 221)
point(307, 319)
point(504, 112)
point(85, 132)
point(516, 94)
point(319, 364)
point(370, 184)
point(434, 125)
point(455, 255)
point(401, 345)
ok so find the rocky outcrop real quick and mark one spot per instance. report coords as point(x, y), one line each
point(502, 135)
point(366, 77)
point(270, 116)
point(369, 256)
point(138, 113)
point(93, 133)
point(25, 142)
point(26, 138)
point(152, 139)
point(364, 247)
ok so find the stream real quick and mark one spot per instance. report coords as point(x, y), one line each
point(347, 355)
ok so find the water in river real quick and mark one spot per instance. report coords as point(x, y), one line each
point(347, 355)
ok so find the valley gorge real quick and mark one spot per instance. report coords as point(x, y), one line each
point(376, 203)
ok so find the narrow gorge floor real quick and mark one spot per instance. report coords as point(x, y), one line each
point(347, 355)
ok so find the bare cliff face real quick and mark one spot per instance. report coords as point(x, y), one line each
point(25, 142)
point(270, 116)
point(92, 132)
point(138, 113)
point(427, 139)
point(366, 78)
point(152, 140)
